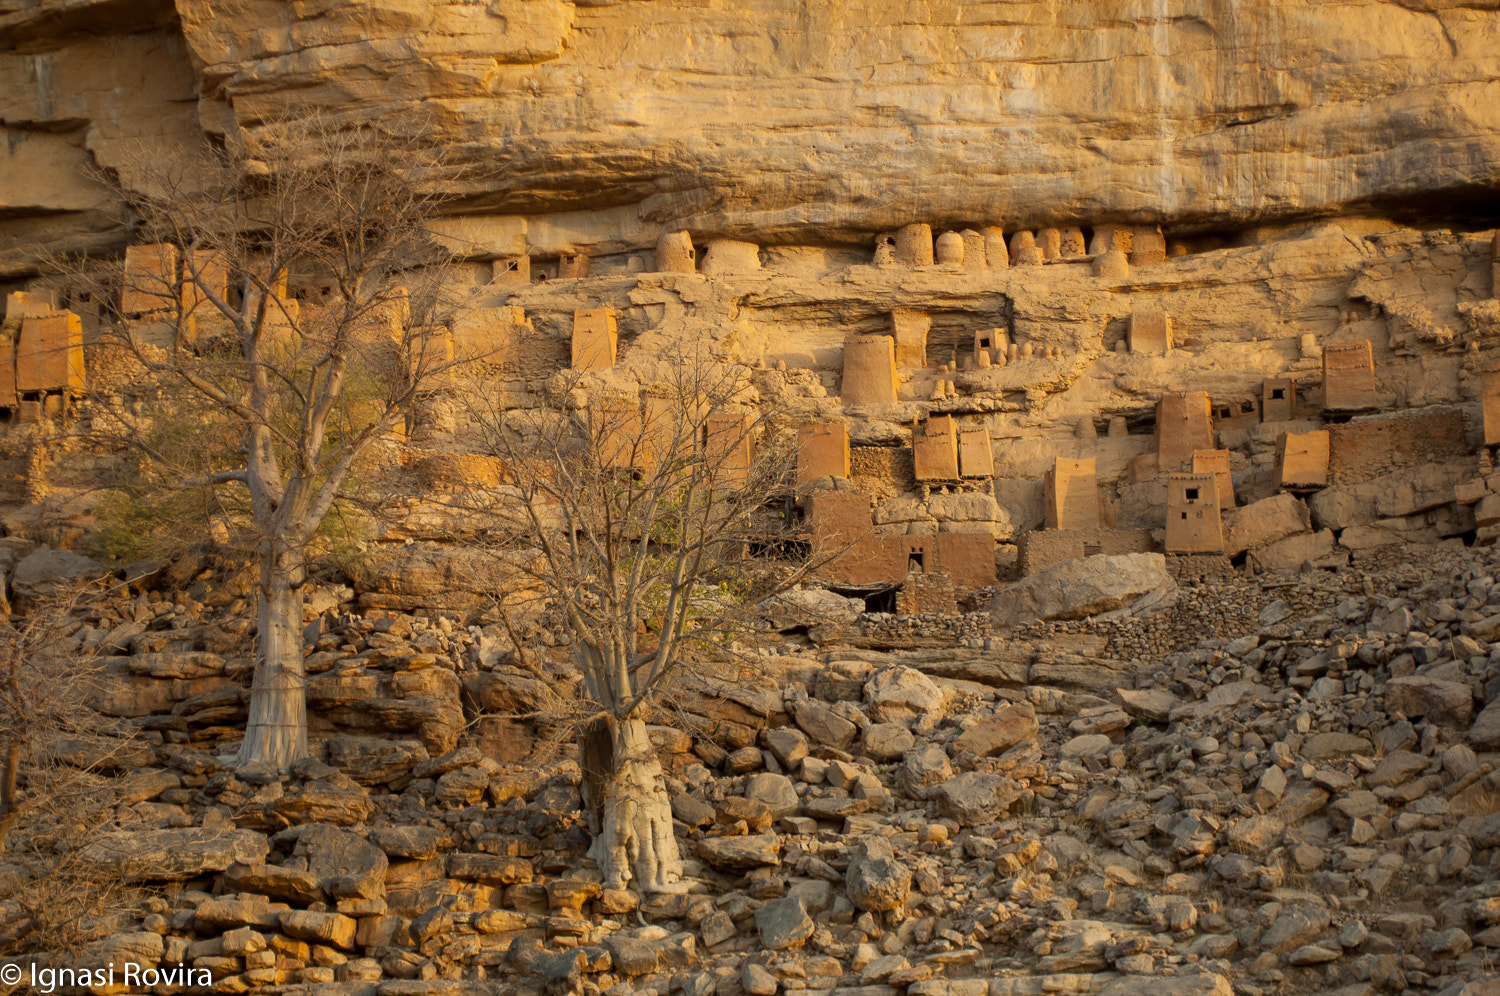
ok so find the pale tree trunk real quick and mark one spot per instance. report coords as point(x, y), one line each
point(276, 734)
point(631, 816)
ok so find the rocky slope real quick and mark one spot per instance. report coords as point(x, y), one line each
point(1277, 785)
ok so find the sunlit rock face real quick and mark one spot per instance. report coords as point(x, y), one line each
point(781, 120)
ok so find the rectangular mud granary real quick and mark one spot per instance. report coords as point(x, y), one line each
point(1490, 395)
point(1194, 524)
point(150, 279)
point(822, 451)
point(869, 369)
point(1183, 425)
point(1150, 331)
point(1071, 493)
point(910, 327)
point(976, 458)
point(1278, 399)
point(1237, 413)
point(8, 395)
point(594, 339)
point(934, 449)
point(729, 446)
point(1216, 462)
point(49, 355)
point(1349, 376)
point(205, 275)
point(1302, 460)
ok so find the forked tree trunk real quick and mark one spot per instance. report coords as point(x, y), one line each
point(630, 814)
point(276, 734)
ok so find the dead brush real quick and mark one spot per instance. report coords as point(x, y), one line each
point(54, 796)
point(1481, 798)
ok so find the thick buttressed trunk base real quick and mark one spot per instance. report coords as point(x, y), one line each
point(629, 811)
point(276, 734)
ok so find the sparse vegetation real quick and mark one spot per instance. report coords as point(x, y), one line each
point(56, 795)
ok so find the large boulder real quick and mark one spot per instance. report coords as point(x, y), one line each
point(905, 695)
point(336, 800)
point(1183, 985)
point(823, 725)
point(173, 855)
point(1009, 725)
point(977, 797)
point(742, 853)
point(424, 701)
point(1262, 522)
point(1485, 733)
point(374, 760)
point(1442, 702)
point(426, 576)
point(47, 571)
point(279, 882)
point(970, 512)
point(1291, 552)
point(1083, 587)
point(347, 866)
point(825, 615)
point(783, 923)
point(776, 791)
point(923, 769)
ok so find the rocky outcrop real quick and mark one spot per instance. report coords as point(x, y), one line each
point(713, 138)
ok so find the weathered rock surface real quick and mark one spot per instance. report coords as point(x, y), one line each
point(824, 614)
point(174, 855)
point(1415, 76)
point(1082, 587)
point(877, 880)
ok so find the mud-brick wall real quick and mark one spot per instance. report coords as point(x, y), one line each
point(1364, 449)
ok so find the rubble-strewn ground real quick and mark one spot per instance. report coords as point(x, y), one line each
point(1278, 784)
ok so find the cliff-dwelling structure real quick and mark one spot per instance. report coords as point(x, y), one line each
point(1116, 387)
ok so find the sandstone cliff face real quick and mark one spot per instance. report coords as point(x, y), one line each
point(790, 122)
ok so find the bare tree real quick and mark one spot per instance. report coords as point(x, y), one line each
point(641, 511)
point(309, 375)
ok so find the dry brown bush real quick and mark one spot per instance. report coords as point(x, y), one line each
point(55, 793)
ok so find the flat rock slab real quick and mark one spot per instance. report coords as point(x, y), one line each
point(1438, 701)
point(1485, 733)
point(1181, 985)
point(1086, 745)
point(1007, 727)
point(741, 853)
point(174, 855)
point(45, 569)
point(1330, 745)
point(1153, 705)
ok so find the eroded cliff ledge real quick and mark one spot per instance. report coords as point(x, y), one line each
point(801, 122)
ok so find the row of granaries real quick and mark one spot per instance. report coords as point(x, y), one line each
point(41, 344)
point(44, 350)
point(1199, 486)
point(1113, 249)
